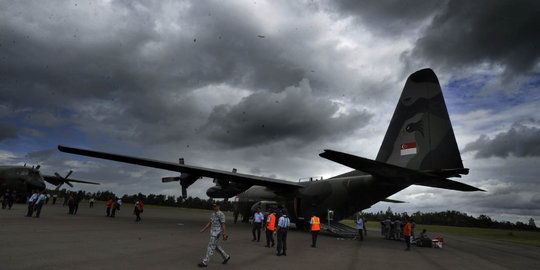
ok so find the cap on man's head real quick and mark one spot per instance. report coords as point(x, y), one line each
point(216, 204)
point(284, 211)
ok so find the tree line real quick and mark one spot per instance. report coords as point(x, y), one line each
point(152, 199)
point(453, 218)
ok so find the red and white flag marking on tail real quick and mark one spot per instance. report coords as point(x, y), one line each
point(408, 148)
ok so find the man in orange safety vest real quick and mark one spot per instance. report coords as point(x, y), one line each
point(407, 233)
point(108, 206)
point(269, 228)
point(315, 228)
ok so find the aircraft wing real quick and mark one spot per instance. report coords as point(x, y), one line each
point(399, 175)
point(200, 171)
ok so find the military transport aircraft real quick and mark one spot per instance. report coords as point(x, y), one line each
point(419, 149)
point(24, 179)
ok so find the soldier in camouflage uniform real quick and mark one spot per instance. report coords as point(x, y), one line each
point(217, 230)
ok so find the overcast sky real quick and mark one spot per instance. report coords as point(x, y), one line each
point(265, 86)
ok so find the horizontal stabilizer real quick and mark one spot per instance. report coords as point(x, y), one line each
point(449, 184)
point(84, 182)
point(392, 201)
point(401, 176)
point(445, 173)
point(373, 167)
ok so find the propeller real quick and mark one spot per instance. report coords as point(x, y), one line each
point(64, 180)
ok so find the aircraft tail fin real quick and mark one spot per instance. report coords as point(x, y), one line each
point(419, 147)
point(420, 135)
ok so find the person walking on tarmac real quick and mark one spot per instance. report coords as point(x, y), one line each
point(31, 201)
point(12, 199)
point(71, 204)
point(114, 207)
point(258, 218)
point(76, 200)
point(39, 204)
point(5, 199)
point(364, 221)
point(386, 225)
point(138, 209)
point(108, 206)
point(217, 230)
point(360, 228)
point(407, 233)
point(269, 228)
point(315, 228)
point(282, 228)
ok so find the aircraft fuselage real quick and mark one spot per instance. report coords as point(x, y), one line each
point(20, 178)
point(344, 196)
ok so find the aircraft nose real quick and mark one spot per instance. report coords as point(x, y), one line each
point(37, 183)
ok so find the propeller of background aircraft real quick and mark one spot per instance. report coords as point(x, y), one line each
point(64, 180)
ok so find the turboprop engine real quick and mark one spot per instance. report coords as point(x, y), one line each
point(226, 189)
point(185, 179)
point(219, 191)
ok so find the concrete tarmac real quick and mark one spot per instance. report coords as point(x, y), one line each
point(170, 239)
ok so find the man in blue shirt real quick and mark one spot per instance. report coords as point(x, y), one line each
point(360, 227)
point(258, 218)
point(31, 201)
point(283, 225)
point(39, 203)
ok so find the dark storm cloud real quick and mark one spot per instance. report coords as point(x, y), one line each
point(457, 34)
point(51, 55)
point(116, 72)
point(53, 64)
point(464, 33)
point(389, 18)
point(510, 197)
point(519, 141)
point(295, 115)
point(8, 131)
point(226, 48)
